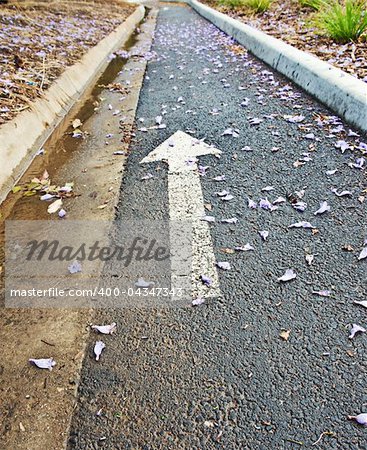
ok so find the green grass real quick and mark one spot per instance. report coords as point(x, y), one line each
point(258, 6)
point(314, 4)
point(233, 4)
point(342, 22)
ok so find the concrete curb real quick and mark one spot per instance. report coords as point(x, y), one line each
point(25, 134)
point(338, 90)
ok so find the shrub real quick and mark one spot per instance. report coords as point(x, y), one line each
point(343, 22)
point(259, 6)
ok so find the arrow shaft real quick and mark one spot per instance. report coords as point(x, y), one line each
point(186, 204)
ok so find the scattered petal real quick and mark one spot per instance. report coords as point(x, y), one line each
point(255, 121)
point(251, 204)
point(220, 178)
point(148, 176)
point(105, 329)
point(300, 206)
point(75, 267)
point(224, 265)
point(279, 200)
point(141, 283)
point(98, 347)
point(288, 276)
point(363, 254)
point(361, 419)
point(264, 234)
point(231, 132)
point(322, 293)
point(341, 194)
point(245, 248)
point(324, 207)
point(309, 259)
point(198, 301)
point(62, 213)
point(306, 225)
point(342, 145)
point(206, 280)
point(232, 220)
point(356, 329)
point(362, 303)
point(47, 197)
point(43, 363)
point(55, 206)
point(208, 218)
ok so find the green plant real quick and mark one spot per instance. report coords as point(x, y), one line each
point(314, 4)
point(233, 4)
point(259, 6)
point(342, 22)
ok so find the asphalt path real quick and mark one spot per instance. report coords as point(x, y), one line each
point(269, 365)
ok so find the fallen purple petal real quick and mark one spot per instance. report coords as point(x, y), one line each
point(224, 265)
point(322, 293)
point(141, 283)
point(232, 220)
point(98, 348)
point(264, 234)
point(301, 225)
point(245, 248)
point(361, 419)
point(288, 276)
point(43, 363)
point(198, 301)
point(356, 329)
point(105, 329)
point(363, 254)
point(324, 207)
point(206, 280)
point(75, 267)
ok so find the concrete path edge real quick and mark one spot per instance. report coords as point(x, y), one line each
point(341, 92)
point(25, 134)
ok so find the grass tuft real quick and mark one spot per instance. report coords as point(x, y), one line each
point(233, 4)
point(342, 22)
point(314, 4)
point(258, 6)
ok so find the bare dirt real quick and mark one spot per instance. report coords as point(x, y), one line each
point(39, 39)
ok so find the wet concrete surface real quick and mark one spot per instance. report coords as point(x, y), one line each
point(220, 376)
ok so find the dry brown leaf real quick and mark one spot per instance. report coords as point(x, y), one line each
point(284, 334)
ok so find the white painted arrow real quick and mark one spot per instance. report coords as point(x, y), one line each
point(186, 204)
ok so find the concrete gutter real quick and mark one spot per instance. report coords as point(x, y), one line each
point(26, 133)
point(341, 92)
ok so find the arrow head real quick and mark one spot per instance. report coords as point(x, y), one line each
point(180, 146)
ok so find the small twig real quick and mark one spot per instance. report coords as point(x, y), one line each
point(294, 442)
point(324, 433)
point(48, 343)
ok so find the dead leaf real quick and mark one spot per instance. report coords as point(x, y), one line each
point(284, 334)
point(229, 251)
point(76, 123)
point(55, 206)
